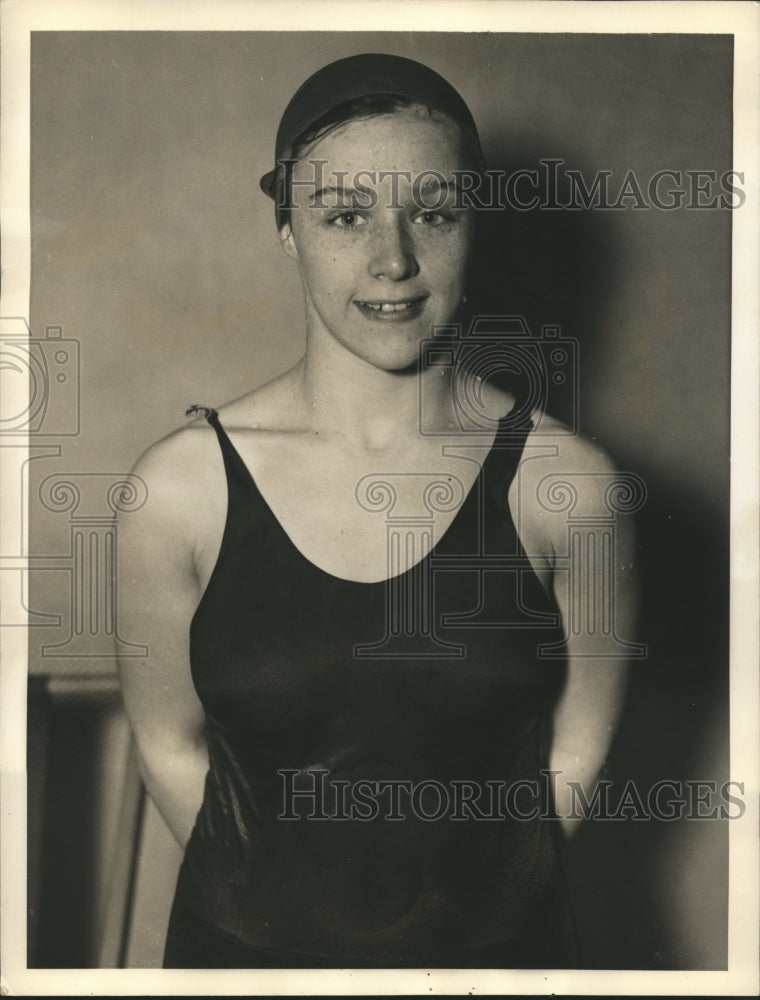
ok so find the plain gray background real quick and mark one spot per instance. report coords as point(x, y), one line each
point(153, 247)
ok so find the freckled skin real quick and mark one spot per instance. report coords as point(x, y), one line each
point(352, 252)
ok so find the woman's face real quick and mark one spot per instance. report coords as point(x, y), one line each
point(382, 245)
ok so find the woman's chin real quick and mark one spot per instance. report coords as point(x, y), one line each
point(396, 359)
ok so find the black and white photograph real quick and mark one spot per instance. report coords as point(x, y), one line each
point(379, 432)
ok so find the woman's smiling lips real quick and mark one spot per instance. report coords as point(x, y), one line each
point(391, 310)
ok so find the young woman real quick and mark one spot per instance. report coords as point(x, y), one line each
point(362, 662)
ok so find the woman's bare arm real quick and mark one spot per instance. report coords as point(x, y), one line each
point(158, 593)
point(588, 711)
point(589, 707)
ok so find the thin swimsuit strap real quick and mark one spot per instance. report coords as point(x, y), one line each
point(232, 460)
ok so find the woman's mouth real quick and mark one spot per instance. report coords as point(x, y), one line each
point(388, 310)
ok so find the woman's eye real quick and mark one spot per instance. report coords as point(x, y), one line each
point(431, 218)
point(347, 220)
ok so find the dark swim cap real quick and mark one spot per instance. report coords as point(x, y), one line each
point(361, 76)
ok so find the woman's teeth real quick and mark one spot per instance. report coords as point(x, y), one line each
point(387, 306)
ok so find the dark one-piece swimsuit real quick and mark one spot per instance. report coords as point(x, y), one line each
point(377, 794)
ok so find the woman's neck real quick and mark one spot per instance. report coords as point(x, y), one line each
point(372, 408)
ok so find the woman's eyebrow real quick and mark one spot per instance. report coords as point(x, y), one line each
point(431, 183)
point(440, 183)
point(334, 189)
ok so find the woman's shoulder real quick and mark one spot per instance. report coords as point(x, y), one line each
point(558, 460)
point(176, 456)
point(185, 451)
point(561, 473)
point(565, 449)
point(182, 476)
point(551, 445)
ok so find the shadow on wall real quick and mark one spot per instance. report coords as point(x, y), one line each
point(648, 894)
point(665, 883)
point(549, 266)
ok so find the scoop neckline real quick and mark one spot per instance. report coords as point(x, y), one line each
point(417, 566)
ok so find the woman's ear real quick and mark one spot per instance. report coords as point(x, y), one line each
point(287, 241)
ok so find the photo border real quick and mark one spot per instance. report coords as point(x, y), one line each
point(741, 20)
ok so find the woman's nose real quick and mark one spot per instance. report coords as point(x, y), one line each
point(393, 252)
